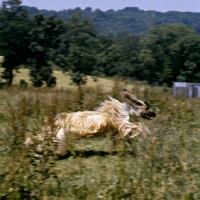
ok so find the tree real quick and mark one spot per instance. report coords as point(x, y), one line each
point(189, 52)
point(170, 53)
point(131, 46)
point(108, 57)
point(81, 53)
point(45, 45)
point(112, 65)
point(118, 55)
point(13, 32)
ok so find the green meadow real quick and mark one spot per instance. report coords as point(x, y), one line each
point(167, 167)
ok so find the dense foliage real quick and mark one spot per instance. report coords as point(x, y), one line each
point(171, 53)
point(13, 28)
point(131, 19)
point(168, 53)
point(81, 54)
point(45, 42)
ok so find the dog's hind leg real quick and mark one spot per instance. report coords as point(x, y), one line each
point(62, 147)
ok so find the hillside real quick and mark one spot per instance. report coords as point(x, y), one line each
point(130, 19)
point(63, 80)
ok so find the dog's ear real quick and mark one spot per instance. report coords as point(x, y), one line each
point(132, 98)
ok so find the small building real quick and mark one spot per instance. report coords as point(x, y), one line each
point(187, 90)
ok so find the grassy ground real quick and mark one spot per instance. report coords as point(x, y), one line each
point(165, 168)
point(1, 59)
point(63, 80)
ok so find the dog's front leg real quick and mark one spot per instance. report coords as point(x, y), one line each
point(129, 130)
point(128, 143)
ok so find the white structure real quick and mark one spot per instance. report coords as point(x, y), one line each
point(188, 90)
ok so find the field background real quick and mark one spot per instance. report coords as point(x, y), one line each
point(63, 80)
point(167, 167)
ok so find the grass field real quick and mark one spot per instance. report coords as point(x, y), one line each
point(1, 59)
point(165, 168)
point(63, 80)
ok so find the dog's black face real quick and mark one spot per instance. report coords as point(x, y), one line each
point(148, 115)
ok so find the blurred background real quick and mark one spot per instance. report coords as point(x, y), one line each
point(153, 46)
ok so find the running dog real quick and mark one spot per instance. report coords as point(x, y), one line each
point(110, 119)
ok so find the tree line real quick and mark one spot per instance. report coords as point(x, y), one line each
point(131, 19)
point(74, 45)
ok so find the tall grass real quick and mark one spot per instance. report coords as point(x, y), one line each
point(167, 167)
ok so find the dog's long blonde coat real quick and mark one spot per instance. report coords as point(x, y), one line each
point(111, 117)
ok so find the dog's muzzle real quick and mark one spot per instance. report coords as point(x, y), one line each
point(148, 115)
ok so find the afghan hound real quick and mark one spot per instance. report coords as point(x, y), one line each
point(111, 118)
